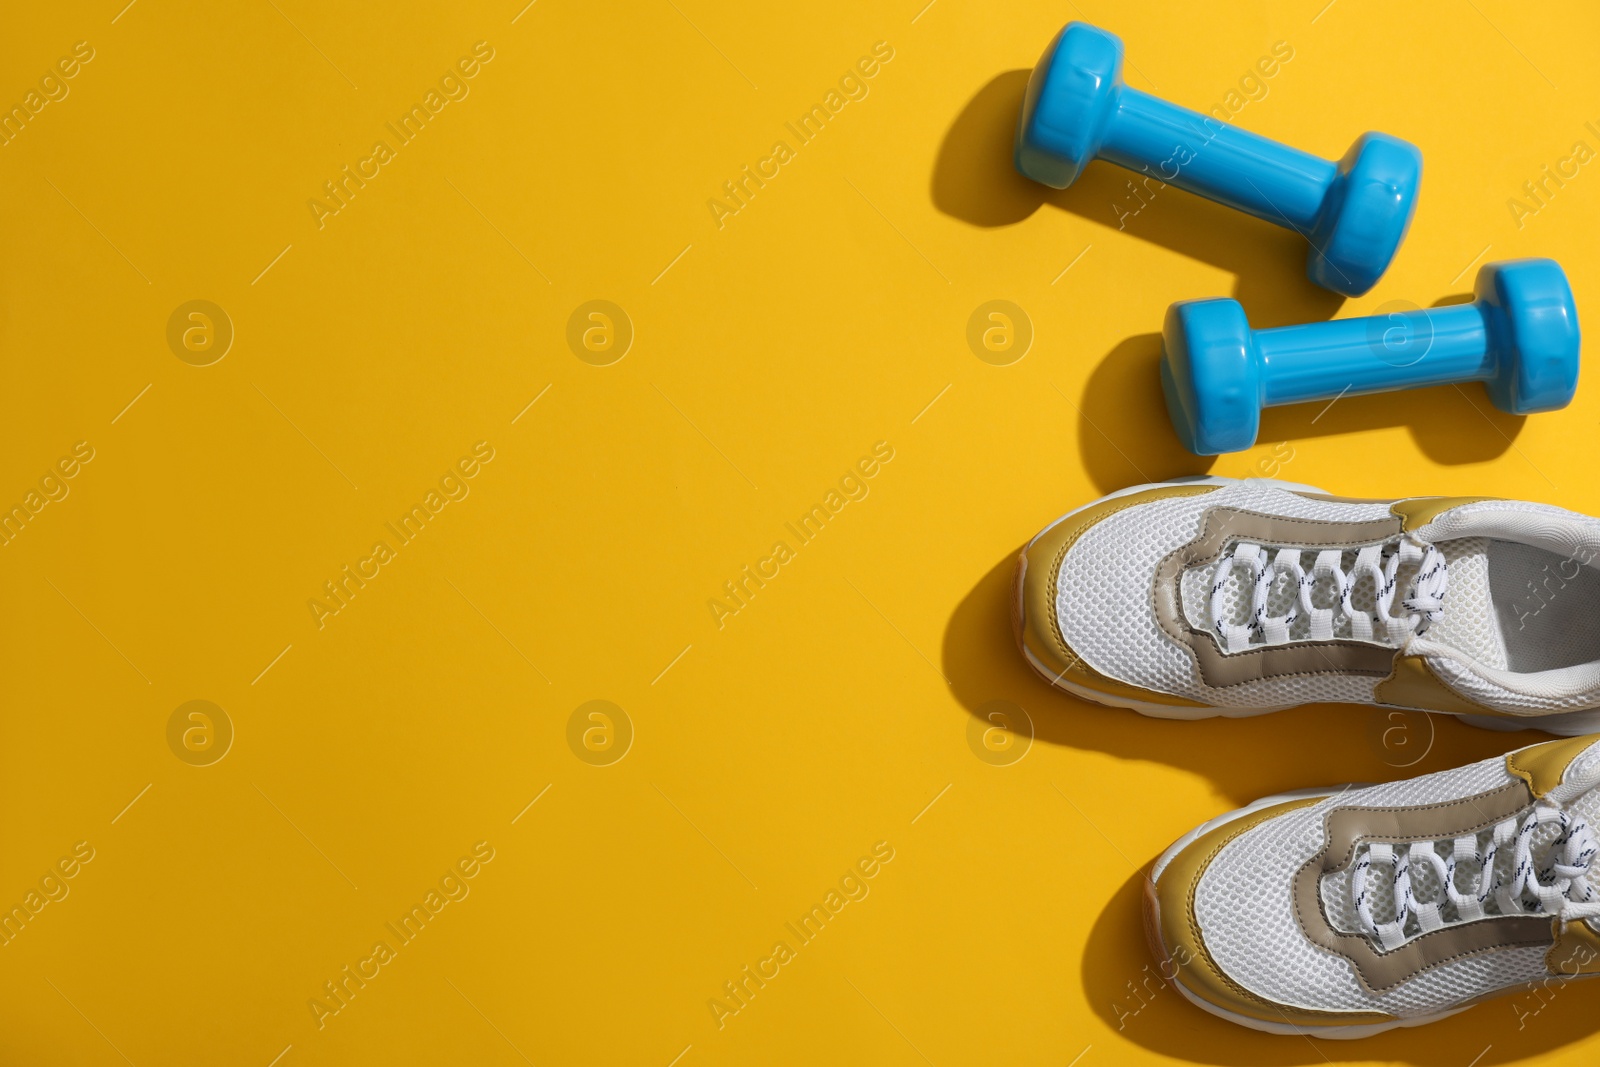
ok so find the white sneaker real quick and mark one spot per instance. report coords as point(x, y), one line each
point(1211, 596)
point(1346, 913)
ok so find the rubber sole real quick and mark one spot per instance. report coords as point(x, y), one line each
point(1565, 724)
point(1152, 925)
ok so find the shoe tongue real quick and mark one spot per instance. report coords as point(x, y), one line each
point(1470, 625)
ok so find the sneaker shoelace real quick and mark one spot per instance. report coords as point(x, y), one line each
point(1561, 888)
point(1424, 604)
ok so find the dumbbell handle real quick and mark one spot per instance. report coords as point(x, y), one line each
point(1243, 170)
point(1349, 357)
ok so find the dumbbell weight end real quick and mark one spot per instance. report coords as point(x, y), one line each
point(1354, 213)
point(1520, 337)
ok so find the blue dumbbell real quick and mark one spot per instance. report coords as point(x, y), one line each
point(1354, 212)
point(1520, 337)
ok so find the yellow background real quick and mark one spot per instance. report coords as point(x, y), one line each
point(769, 355)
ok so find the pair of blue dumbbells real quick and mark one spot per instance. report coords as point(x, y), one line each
point(1520, 336)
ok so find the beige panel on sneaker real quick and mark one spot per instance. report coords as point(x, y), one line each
point(1219, 669)
point(1345, 828)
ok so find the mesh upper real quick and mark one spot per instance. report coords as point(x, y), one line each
point(1106, 581)
point(1244, 905)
